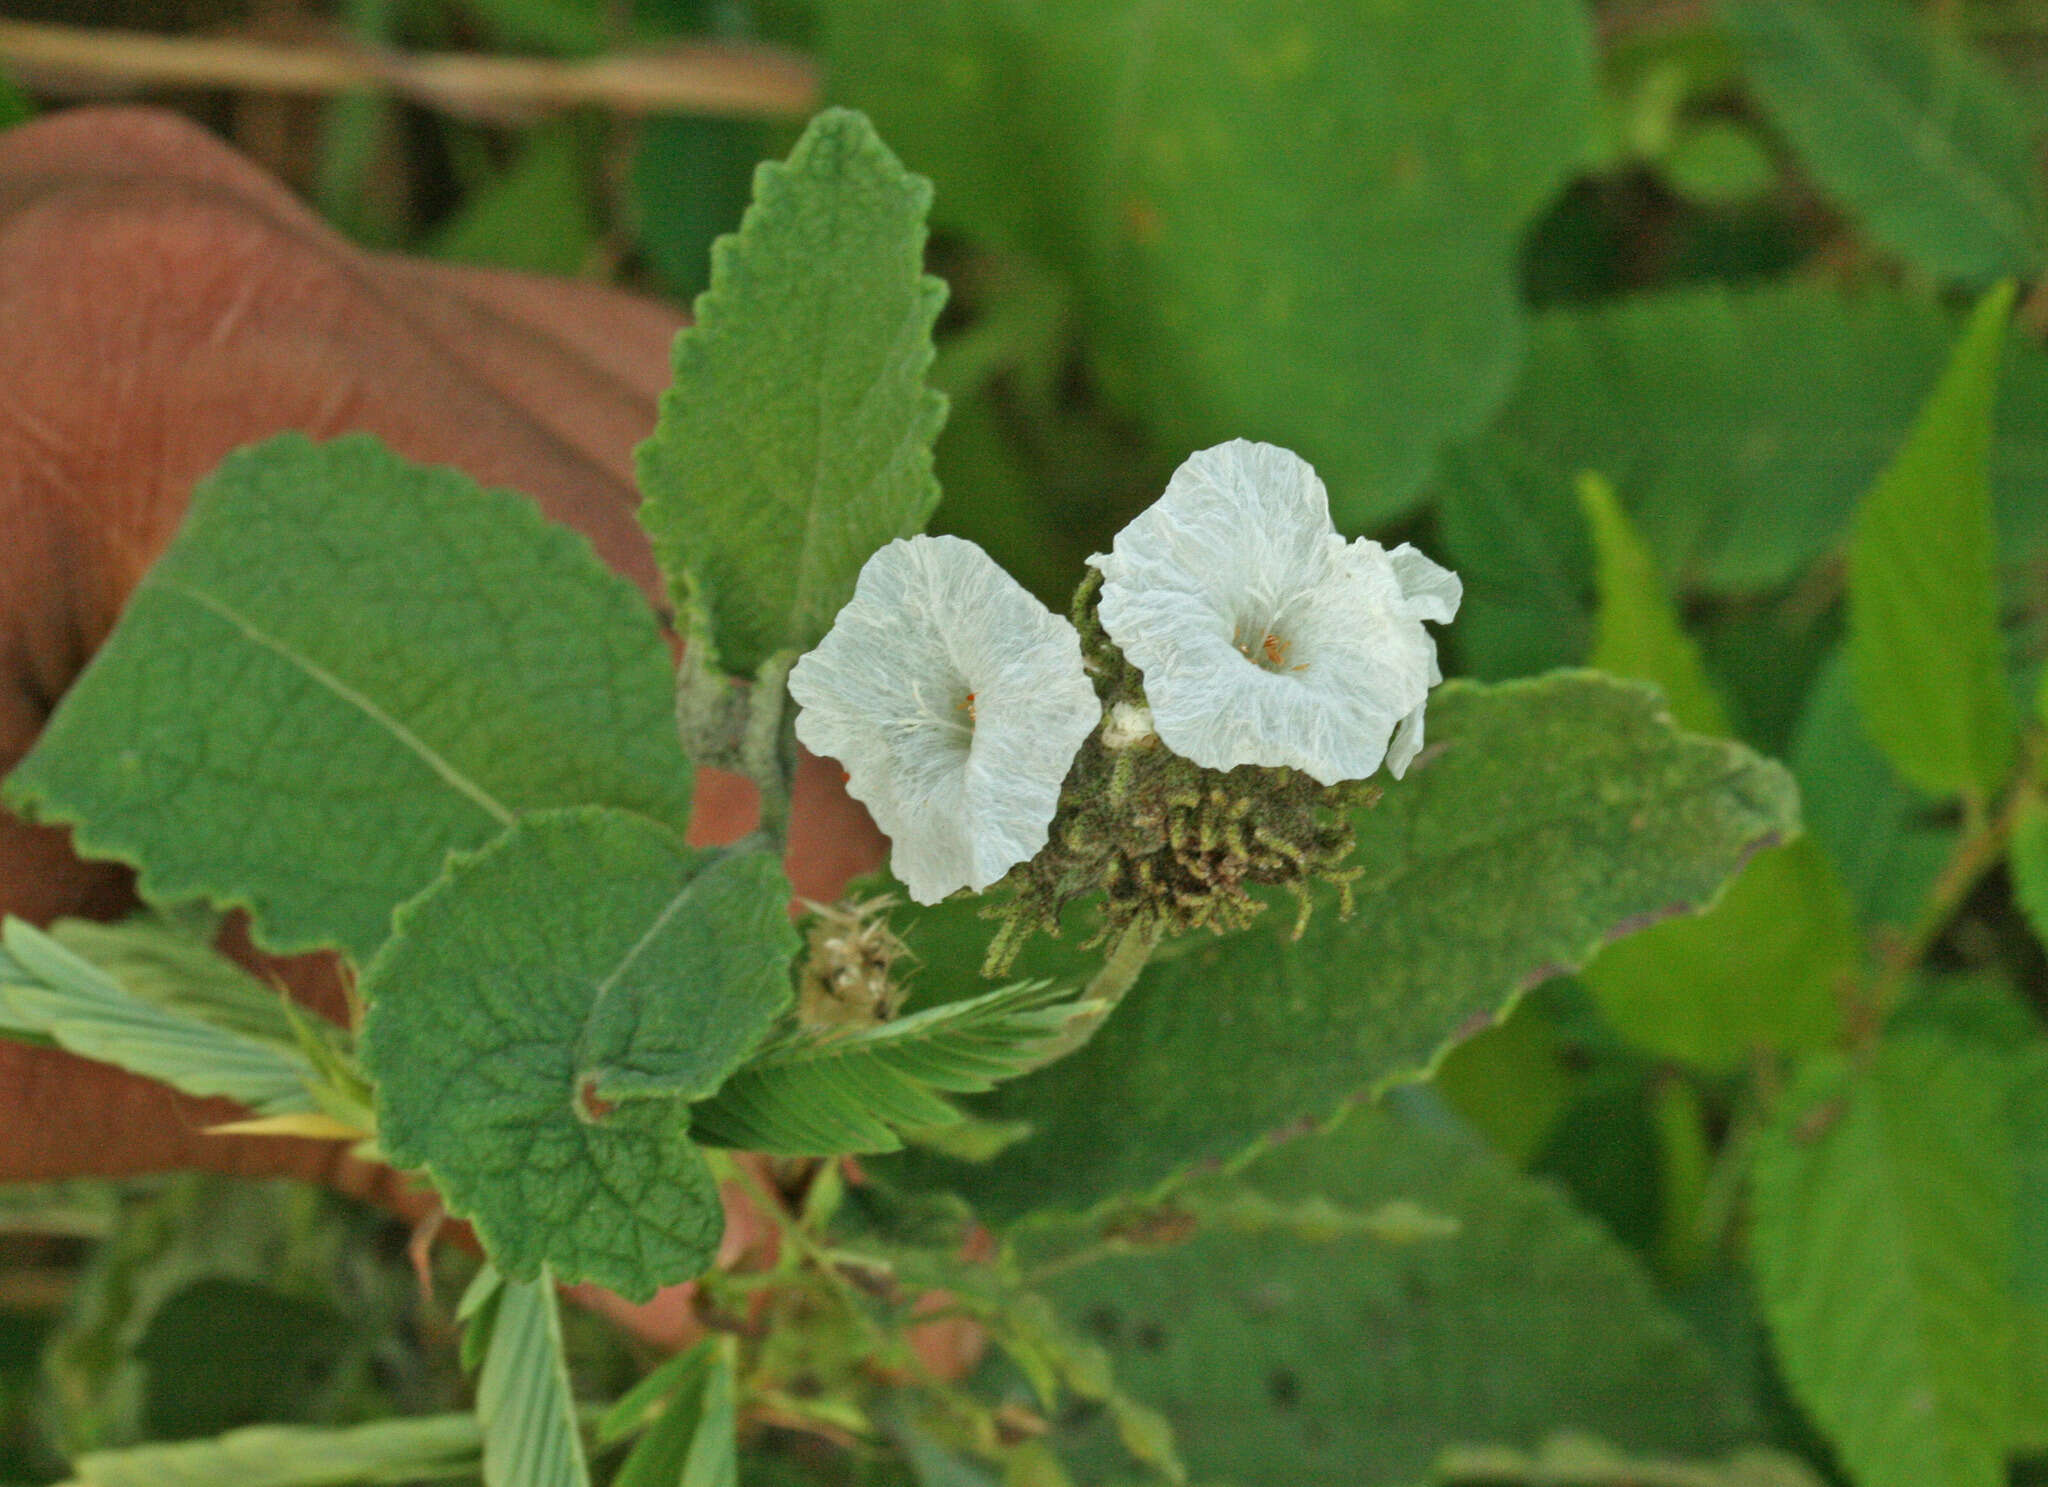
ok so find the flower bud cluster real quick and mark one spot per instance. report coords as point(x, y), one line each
point(1171, 845)
point(1233, 673)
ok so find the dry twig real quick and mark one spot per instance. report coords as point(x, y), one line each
point(743, 82)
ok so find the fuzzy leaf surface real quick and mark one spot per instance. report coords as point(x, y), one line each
point(844, 1091)
point(1924, 640)
point(1298, 223)
point(1560, 813)
point(345, 667)
point(797, 436)
point(1883, 1249)
point(1897, 117)
point(1280, 1360)
point(542, 1015)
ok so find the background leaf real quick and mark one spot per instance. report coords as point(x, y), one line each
point(1883, 1248)
point(1742, 425)
point(523, 1400)
point(538, 1019)
point(797, 437)
point(1887, 840)
point(1896, 116)
point(1763, 967)
point(1286, 222)
point(1357, 1360)
point(1560, 813)
point(172, 964)
point(1923, 592)
point(1638, 635)
point(86, 1011)
point(408, 1450)
point(535, 216)
point(345, 667)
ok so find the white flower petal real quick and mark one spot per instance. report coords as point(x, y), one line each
point(1433, 592)
point(1263, 637)
point(1406, 744)
point(955, 701)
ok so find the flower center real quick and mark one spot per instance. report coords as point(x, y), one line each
point(1270, 653)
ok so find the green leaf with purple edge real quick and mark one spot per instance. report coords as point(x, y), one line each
point(1546, 818)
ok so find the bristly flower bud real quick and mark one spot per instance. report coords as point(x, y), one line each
point(850, 954)
point(1170, 845)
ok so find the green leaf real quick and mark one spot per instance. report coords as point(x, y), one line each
point(540, 1016)
point(535, 217)
point(1762, 968)
point(1883, 1201)
point(1888, 841)
point(1560, 813)
point(1301, 223)
point(1914, 132)
point(1638, 634)
point(175, 966)
point(656, 1395)
point(1742, 425)
point(478, 1312)
point(1720, 163)
point(428, 1448)
point(15, 106)
point(1356, 1361)
point(1988, 1012)
point(1514, 532)
point(797, 437)
point(820, 1092)
point(1570, 1459)
point(1923, 592)
point(2029, 1124)
point(714, 1450)
point(690, 181)
point(675, 1395)
point(2028, 860)
point(523, 1401)
point(566, 27)
point(82, 1009)
point(1513, 1083)
point(345, 667)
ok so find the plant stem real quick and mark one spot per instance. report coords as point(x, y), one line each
point(790, 1229)
point(731, 81)
point(1119, 973)
point(1983, 844)
point(768, 747)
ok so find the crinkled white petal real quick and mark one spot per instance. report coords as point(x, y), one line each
point(1431, 590)
point(1263, 637)
point(955, 702)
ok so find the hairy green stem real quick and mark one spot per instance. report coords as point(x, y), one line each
point(1126, 962)
point(768, 746)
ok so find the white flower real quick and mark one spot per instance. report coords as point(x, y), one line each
point(955, 701)
point(1265, 638)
